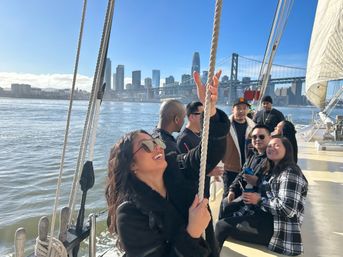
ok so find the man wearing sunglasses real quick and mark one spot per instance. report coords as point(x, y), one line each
point(239, 220)
point(258, 165)
point(171, 119)
point(190, 137)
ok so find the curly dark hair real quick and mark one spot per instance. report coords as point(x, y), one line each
point(118, 183)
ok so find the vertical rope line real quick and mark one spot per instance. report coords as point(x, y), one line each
point(53, 219)
point(90, 112)
point(207, 108)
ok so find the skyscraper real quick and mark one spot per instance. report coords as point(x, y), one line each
point(170, 81)
point(108, 74)
point(204, 76)
point(136, 79)
point(185, 79)
point(156, 78)
point(147, 82)
point(114, 82)
point(195, 63)
point(119, 85)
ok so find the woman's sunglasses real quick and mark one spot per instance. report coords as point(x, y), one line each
point(258, 136)
point(149, 145)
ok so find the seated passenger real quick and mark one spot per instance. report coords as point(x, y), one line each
point(257, 165)
point(152, 201)
point(279, 206)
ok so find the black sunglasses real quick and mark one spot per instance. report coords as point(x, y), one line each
point(196, 113)
point(258, 136)
point(149, 145)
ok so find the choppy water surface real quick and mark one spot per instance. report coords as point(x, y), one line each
point(31, 141)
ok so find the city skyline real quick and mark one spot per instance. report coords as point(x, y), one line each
point(39, 44)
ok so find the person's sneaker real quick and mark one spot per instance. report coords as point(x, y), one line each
point(245, 227)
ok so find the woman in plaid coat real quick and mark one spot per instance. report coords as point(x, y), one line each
point(278, 207)
point(285, 194)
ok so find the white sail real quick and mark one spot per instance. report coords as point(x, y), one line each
point(325, 58)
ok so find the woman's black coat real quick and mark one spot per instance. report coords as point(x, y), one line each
point(150, 225)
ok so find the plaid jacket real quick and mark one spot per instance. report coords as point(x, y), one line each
point(286, 193)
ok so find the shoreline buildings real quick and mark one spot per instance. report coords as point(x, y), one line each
point(151, 89)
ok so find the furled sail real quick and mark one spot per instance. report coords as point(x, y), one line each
point(325, 58)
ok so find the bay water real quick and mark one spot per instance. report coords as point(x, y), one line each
point(31, 142)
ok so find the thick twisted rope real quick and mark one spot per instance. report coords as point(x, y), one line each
point(207, 108)
point(56, 248)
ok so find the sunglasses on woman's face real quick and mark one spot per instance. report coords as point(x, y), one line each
point(150, 144)
point(258, 136)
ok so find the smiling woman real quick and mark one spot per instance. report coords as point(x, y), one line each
point(152, 202)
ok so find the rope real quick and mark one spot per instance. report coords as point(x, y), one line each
point(204, 136)
point(56, 248)
point(90, 112)
point(53, 219)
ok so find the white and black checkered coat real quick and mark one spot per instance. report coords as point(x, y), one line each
point(286, 193)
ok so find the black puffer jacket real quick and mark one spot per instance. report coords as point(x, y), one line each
point(149, 225)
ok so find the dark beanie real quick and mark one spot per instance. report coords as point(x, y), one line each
point(267, 98)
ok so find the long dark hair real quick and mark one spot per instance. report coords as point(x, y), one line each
point(288, 159)
point(289, 132)
point(118, 183)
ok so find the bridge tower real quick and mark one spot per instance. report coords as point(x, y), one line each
point(233, 78)
point(234, 67)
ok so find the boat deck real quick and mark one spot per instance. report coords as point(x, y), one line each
point(322, 229)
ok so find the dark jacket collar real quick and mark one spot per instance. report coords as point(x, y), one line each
point(145, 198)
point(164, 134)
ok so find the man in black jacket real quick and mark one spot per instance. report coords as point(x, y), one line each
point(256, 164)
point(268, 116)
point(172, 116)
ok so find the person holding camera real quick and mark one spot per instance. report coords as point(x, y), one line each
point(254, 168)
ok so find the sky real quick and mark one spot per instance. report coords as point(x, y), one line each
point(38, 38)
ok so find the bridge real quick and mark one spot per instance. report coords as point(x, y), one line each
point(285, 83)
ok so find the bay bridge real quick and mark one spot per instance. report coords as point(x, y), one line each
point(285, 82)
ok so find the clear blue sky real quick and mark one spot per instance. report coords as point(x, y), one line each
point(39, 37)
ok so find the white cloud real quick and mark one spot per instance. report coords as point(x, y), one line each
point(58, 81)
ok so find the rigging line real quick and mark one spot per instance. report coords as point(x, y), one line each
point(53, 219)
point(279, 31)
point(266, 52)
point(90, 113)
point(278, 65)
point(280, 24)
point(207, 107)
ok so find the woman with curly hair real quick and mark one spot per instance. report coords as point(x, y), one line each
point(152, 198)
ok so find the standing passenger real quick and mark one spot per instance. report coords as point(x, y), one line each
point(268, 116)
point(236, 148)
point(190, 137)
point(172, 116)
